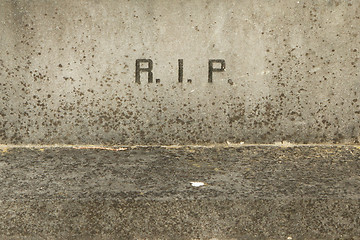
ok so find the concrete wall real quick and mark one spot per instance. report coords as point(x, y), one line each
point(67, 71)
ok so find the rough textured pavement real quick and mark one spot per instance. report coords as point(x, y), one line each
point(250, 192)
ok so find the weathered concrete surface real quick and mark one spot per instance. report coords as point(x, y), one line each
point(67, 71)
point(146, 193)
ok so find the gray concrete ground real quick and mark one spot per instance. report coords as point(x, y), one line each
point(249, 192)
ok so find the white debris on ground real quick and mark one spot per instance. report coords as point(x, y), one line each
point(284, 144)
point(230, 144)
point(99, 147)
point(197, 184)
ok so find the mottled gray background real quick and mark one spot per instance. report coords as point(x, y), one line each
point(67, 71)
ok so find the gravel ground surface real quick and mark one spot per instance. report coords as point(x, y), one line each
point(246, 192)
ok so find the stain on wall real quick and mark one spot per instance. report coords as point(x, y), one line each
point(67, 71)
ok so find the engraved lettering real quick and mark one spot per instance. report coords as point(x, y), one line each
point(139, 69)
point(181, 70)
point(212, 69)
